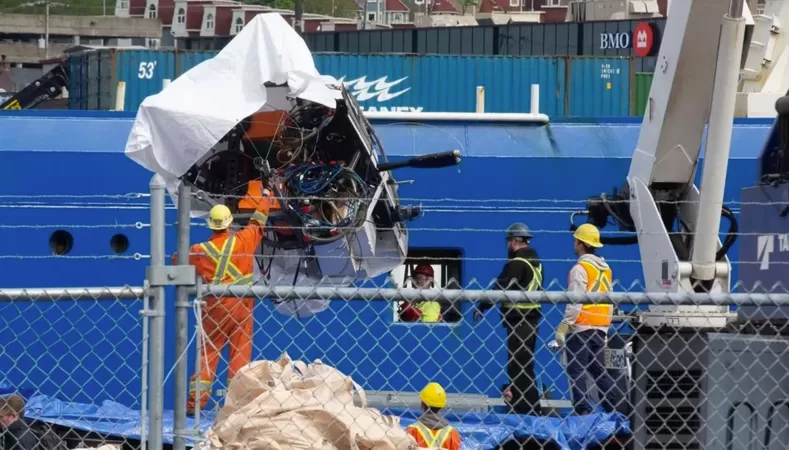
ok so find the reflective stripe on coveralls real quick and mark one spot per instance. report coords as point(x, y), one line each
point(224, 269)
point(432, 438)
point(535, 284)
point(599, 280)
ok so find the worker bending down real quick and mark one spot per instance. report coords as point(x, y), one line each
point(227, 258)
point(586, 326)
point(432, 430)
point(421, 311)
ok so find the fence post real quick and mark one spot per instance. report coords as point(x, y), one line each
point(181, 320)
point(156, 346)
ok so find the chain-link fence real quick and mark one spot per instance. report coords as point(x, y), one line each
point(122, 365)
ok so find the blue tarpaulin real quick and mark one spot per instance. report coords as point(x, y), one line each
point(477, 431)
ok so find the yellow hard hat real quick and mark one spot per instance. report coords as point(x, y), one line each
point(589, 235)
point(219, 218)
point(433, 395)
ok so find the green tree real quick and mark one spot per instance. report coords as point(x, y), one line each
point(466, 4)
point(74, 7)
point(278, 4)
point(337, 8)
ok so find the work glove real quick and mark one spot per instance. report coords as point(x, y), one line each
point(561, 333)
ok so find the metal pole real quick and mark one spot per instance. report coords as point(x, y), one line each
point(46, 31)
point(181, 321)
point(72, 294)
point(496, 296)
point(299, 16)
point(716, 157)
point(156, 360)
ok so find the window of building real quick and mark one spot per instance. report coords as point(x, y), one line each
point(181, 17)
point(152, 11)
point(239, 24)
point(515, 3)
point(446, 266)
point(124, 4)
point(371, 17)
point(419, 2)
point(209, 21)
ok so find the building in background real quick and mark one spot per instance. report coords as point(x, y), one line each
point(211, 24)
point(24, 44)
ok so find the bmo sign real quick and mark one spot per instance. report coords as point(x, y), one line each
point(641, 41)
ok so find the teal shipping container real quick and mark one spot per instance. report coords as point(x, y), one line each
point(599, 87)
point(441, 83)
point(446, 83)
point(94, 77)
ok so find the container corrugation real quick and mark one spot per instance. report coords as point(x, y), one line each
point(448, 83)
point(643, 82)
point(523, 39)
point(599, 87)
point(188, 60)
point(95, 76)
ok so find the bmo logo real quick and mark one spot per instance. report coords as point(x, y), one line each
point(641, 41)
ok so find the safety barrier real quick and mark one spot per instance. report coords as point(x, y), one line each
point(107, 365)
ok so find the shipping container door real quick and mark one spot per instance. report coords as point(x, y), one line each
point(641, 92)
point(77, 98)
point(189, 60)
point(144, 72)
point(599, 87)
point(93, 84)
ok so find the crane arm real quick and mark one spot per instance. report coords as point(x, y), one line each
point(676, 225)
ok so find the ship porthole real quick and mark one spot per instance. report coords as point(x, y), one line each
point(119, 243)
point(61, 242)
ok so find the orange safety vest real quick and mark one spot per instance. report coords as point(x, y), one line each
point(432, 438)
point(599, 280)
point(225, 270)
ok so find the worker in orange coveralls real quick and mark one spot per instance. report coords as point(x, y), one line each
point(227, 258)
point(432, 430)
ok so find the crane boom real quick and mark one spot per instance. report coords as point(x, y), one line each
point(676, 225)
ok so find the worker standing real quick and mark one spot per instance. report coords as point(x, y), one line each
point(432, 430)
point(586, 326)
point(523, 271)
point(227, 258)
point(421, 311)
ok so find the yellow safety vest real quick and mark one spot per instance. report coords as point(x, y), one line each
point(534, 285)
point(432, 438)
point(599, 280)
point(431, 311)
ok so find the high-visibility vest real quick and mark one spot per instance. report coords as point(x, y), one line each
point(431, 311)
point(225, 272)
point(534, 285)
point(432, 438)
point(599, 281)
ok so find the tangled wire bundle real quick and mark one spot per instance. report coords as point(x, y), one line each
point(331, 200)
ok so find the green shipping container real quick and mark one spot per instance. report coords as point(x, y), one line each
point(641, 92)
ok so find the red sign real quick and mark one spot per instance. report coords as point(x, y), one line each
point(643, 39)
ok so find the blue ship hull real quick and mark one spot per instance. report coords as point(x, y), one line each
point(89, 351)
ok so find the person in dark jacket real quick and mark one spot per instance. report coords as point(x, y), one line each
point(16, 434)
point(523, 271)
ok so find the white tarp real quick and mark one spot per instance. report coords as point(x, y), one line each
point(175, 128)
